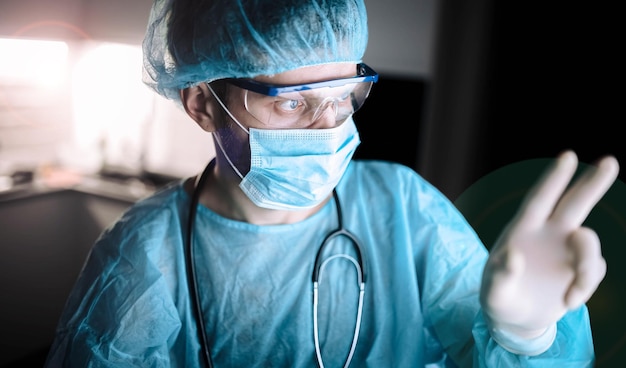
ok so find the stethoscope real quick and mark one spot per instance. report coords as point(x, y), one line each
point(320, 263)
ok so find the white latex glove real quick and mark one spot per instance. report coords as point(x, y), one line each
point(545, 263)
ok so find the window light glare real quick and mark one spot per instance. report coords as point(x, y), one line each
point(110, 102)
point(33, 62)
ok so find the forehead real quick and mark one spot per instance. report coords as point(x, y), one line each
point(310, 74)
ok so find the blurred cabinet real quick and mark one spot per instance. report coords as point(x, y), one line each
point(44, 240)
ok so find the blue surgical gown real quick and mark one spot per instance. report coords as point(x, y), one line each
point(422, 265)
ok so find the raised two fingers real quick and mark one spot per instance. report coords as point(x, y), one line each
point(585, 193)
point(546, 200)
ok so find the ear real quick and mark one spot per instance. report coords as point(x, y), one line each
point(199, 104)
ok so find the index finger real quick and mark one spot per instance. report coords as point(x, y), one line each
point(540, 202)
point(586, 192)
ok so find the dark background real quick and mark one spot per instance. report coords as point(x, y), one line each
point(514, 83)
point(511, 82)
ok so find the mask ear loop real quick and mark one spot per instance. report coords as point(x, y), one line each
point(218, 140)
point(226, 109)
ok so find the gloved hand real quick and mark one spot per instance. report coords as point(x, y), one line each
point(545, 263)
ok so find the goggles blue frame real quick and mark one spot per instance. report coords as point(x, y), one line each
point(365, 74)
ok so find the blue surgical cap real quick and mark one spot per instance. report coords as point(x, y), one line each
point(188, 42)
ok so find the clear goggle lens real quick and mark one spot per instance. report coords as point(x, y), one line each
point(302, 108)
point(299, 106)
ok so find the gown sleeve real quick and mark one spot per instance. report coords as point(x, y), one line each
point(572, 347)
point(120, 311)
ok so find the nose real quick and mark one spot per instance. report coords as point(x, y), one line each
point(326, 114)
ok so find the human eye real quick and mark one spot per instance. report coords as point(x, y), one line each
point(289, 105)
point(343, 94)
point(344, 100)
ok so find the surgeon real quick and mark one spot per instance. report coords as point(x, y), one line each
point(285, 252)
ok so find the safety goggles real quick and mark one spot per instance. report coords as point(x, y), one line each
point(298, 106)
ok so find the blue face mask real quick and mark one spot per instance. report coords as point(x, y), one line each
point(294, 169)
point(297, 168)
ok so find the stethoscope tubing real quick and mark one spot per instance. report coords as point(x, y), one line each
point(357, 327)
point(191, 268)
point(194, 293)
